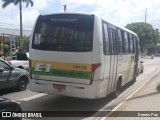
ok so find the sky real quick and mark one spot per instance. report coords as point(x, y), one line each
point(120, 12)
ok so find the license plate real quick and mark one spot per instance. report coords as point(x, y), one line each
point(59, 87)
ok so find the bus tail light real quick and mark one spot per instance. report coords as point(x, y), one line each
point(30, 69)
point(94, 67)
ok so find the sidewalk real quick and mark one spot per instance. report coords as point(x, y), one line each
point(146, 103)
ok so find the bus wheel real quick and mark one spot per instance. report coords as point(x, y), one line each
point(134, 79)
point(117, 91)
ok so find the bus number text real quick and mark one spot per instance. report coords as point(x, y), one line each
point(80, 67)
point(43, 67)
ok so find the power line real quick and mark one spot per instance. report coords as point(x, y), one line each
point(14, 24)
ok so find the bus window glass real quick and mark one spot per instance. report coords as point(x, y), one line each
point(119, 40)
point(131, 44)
point(111, 50)
point(136, 46)
point(64, 33)
point(123, 45)
point(133, 40)
point(112, 41)
point(126, 42)
point(106, 40)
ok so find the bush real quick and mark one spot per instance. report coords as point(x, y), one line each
point(158, 87)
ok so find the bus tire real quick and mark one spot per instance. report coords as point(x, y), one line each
point(134, 78)
point(137, 72)
point(142, 70)
point(117, 91)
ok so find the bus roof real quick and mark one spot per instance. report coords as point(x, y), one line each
point(96, 15)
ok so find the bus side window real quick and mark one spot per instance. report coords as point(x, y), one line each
point(123, 42)
point(112, 39)
point(126, 42)
point(119, 42)
point(137, 48)
point(133, 44)
point(105, 39)
point(129, 43)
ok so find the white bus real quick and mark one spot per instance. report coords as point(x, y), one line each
point(81, 55)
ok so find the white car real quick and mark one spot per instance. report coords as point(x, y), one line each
point(21, 61)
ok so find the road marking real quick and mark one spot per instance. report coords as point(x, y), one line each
point(103, 118)
point(31, 97)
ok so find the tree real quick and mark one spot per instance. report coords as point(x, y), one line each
point(26, 43)
point(147, 35)
point(18, 2)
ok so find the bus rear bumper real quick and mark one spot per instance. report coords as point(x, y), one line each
point(71, 89)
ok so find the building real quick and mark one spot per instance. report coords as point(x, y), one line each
point(15, 31)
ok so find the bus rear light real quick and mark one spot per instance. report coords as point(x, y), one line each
point(94, 67)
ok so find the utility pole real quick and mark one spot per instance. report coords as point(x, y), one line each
point(146, 15)
point(144, 50)
point(65, 8)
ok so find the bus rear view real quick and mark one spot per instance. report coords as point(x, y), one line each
point(62, 56)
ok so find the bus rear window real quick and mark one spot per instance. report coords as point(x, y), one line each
point(64, 32)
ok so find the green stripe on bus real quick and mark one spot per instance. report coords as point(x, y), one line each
point(64, 73)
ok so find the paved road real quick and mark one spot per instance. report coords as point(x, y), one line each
point(31, 101)
point(145, 102)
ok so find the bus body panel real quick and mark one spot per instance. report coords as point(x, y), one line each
point(70, 63)
point(63, 66)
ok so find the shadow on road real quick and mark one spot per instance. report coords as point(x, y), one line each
point(146, 95)
point(8, 91)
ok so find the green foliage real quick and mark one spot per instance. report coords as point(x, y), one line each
point(16, 2)
point(152, 48)
point(3, 48)
point(158, 87)
point(24, 42)
point(147, 35)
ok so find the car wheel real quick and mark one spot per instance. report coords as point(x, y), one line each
point(22, 83)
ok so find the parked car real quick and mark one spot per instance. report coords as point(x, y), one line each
point(6, 105)
point(21, 61)
point(12, 77)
